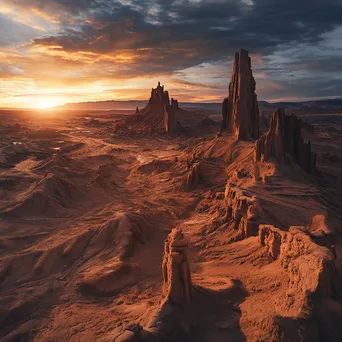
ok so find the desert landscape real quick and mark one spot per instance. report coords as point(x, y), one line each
point(164, 223)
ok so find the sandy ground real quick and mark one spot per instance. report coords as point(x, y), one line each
point(84, 215)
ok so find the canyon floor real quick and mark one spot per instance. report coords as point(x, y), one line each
point(84, 214)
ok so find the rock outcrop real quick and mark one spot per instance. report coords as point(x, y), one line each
point(193, 179)
point(240, 110)
point(243, 211)
point(159, 96)
point(171, 124)
point(284, 139)
point(176, 271)
point(311, 268)
point(170, 322)
point(160, 116)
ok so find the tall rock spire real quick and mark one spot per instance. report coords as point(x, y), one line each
point(240, 110)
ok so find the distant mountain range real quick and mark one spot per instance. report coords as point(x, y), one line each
point(306, 106)
point(129, 105)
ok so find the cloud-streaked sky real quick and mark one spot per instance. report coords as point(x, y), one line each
point(58, 51)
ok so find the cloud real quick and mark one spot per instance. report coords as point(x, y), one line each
point(12, 32)
point(295, 45)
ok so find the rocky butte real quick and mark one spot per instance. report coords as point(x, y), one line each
point(163, 115)
point(240, 111)
point(160, 111)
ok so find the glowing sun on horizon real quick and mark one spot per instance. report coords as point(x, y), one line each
point(45, 102)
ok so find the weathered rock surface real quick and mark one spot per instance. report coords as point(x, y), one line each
point(283, 139)
point(160, 116)
point(194, 177)
point(240, 111)
point(169, 322)
point(311, 268)
point(171, 124)
point(176, 270)
point(159, 96)
point(243, 211)
point(320, 232)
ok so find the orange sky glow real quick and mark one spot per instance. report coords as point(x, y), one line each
point(62, 51)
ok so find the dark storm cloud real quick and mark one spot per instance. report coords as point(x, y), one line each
point(211, 30)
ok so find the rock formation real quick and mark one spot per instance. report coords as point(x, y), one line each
point(240, 111)
point(321, 234)
point(283, 139)
point(159, 96)
point(242, 211)
point(171, 123)
point(311, 267)
point(194, 177)
point(176, 271)
point(163, 115)
point(160, 116)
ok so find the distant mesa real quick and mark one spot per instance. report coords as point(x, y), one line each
point(240, 110)
point(283, 140)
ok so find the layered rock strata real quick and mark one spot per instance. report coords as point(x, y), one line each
point(284, 139)
point(176, 270)
point(243, 211)
point(194, 177)
point(240, 110)
point(311, 268)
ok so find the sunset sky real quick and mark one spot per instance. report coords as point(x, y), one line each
point(59, 51)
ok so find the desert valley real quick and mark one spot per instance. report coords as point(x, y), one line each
point(164, 223)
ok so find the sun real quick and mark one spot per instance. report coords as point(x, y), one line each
point(45, 102)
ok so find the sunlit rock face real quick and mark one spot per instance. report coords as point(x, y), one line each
point(283, 139)
point(240, 111)
point(311, 268)
point(176, 269)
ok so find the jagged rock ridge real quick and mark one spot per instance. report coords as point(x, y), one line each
point(240, 110)
point(284, 138)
